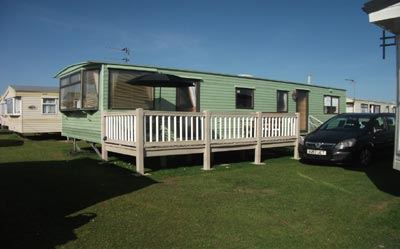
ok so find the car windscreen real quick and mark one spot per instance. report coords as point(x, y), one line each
point(346, 123)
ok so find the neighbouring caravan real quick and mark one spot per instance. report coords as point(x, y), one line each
point(369, 106)
point(30, 109)
point(141, 110)
point(386, 14)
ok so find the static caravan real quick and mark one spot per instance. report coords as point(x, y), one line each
point(386, 14)
point(31, 109)
point(101, 101)
point(369, 106)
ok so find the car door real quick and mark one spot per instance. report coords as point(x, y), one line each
point(391, 127)
point(380, 133)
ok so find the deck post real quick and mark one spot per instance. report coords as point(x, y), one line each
point(207, 141)
point(104, 152)
point(139, 129)
point(296, 145)
point(257, 152)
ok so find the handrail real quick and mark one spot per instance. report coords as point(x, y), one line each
point(313, 123)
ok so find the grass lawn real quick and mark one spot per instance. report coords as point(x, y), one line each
point(53, 199)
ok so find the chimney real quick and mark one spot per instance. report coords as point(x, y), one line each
point(309, 76)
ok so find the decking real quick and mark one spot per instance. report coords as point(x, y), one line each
point(142, 133)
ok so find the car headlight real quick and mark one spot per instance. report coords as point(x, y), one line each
point(346, 144)
point(301, 140)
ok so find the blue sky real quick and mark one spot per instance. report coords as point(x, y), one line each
point(284, 40)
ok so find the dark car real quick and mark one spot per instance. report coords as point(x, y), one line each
point(350, 137)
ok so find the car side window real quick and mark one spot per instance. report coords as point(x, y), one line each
point(378, 124)
point(391, 121)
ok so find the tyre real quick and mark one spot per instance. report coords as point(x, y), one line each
point(365, 157)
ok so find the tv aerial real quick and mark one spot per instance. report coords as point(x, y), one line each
point(126, 53)
point(391, 42)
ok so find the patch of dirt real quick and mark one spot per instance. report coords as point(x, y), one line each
point(381, 206)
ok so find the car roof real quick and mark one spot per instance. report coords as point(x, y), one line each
point(366, 114)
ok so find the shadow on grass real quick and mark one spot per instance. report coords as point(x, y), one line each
point(380, 172)
point(10, 142)
point(385, 178)
point(41, 201)
point(44, 136)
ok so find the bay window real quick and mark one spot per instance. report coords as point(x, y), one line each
point(13, 106)
point(3, 108)
point(79, 91)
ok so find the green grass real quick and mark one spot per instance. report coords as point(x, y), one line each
point(51, 198)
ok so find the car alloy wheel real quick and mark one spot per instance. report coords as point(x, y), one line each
point(365, 157)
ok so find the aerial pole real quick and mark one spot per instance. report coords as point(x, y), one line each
point(126, 53)
point(353, 82)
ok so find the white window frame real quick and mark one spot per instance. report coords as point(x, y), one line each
point(14, 102)
point(3, 108)
point(331, 104)
point(55, 103)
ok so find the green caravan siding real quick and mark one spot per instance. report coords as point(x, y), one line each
point(217, 93)
point(82, 126)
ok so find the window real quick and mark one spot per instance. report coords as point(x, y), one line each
point(90, 89)
point(378, 124)
point(244, 98)
point(3, 108)
point(387, 109)
point(125, 95)
point(331, 105)
point(13, 106)
point(375, 108)
point(346, 123)
point(282, 101)
point(79, 91)
point(10, 106)
point(364, 108)
point(186, 98)
point(49, 106)
point(349, 107)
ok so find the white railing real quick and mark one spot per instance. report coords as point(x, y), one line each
point(276, 125)
point(120, 127)
point(232, 126)
point(313, 123)
point(167, 127)
point(170, 128)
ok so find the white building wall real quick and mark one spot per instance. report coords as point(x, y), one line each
point(357, 106)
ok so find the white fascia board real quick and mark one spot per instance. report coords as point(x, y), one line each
point(189, 77)
point(390, 12)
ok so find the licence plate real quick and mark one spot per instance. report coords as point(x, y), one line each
point(317, 152)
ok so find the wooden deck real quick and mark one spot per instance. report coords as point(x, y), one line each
point(153, 133)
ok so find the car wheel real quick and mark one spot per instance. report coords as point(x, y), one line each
point(365, 157)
